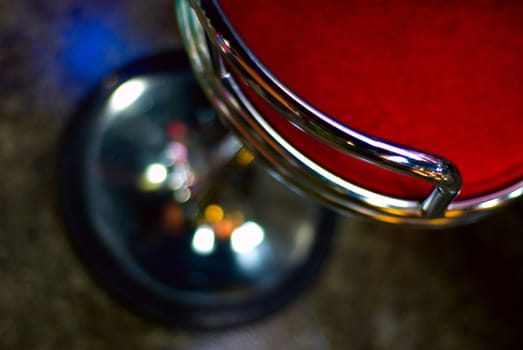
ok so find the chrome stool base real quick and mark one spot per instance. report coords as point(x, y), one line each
point(172, 215)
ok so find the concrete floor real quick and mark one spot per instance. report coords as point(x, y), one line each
point(383, 287)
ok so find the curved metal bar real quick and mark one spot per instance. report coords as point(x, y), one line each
point(422, 165)
point(293, 166)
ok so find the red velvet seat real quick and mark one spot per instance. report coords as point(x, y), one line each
point(444, 77)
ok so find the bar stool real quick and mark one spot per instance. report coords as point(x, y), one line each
point(402, 112)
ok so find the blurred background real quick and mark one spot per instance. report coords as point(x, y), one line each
point(382, 288)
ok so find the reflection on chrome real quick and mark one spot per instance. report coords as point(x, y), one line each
point(182, 195)
point(177, 152)
point(396, 159)
point(173, 171)
point(489, 204)
point(178, 179)
point(203, 240)
point(302, 241)
point(155, 173)
point(126, 94)
point(246, 237)
point(251, 254)
point(182, 176)
point(252, 263)
point(516, 193)
point(213, 213)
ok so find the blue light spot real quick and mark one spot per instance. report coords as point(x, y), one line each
point(91, 50)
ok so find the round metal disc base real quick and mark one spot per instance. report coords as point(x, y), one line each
point(172, 214)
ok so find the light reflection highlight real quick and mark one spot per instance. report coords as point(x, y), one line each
point(490, 204)
point(247, 237)
point(127, 94)
point(156, 173)
point(396, 159)
point(178, 179)
point(203, 242)
point(516, 193)
point(183, 195)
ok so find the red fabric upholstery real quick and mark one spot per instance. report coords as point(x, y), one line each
point(441, 76)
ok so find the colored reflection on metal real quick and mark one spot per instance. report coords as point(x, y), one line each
point(244, 157)
point(213, 213)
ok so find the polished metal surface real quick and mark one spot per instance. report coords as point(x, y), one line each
point(172, 214)
point(203, 22)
